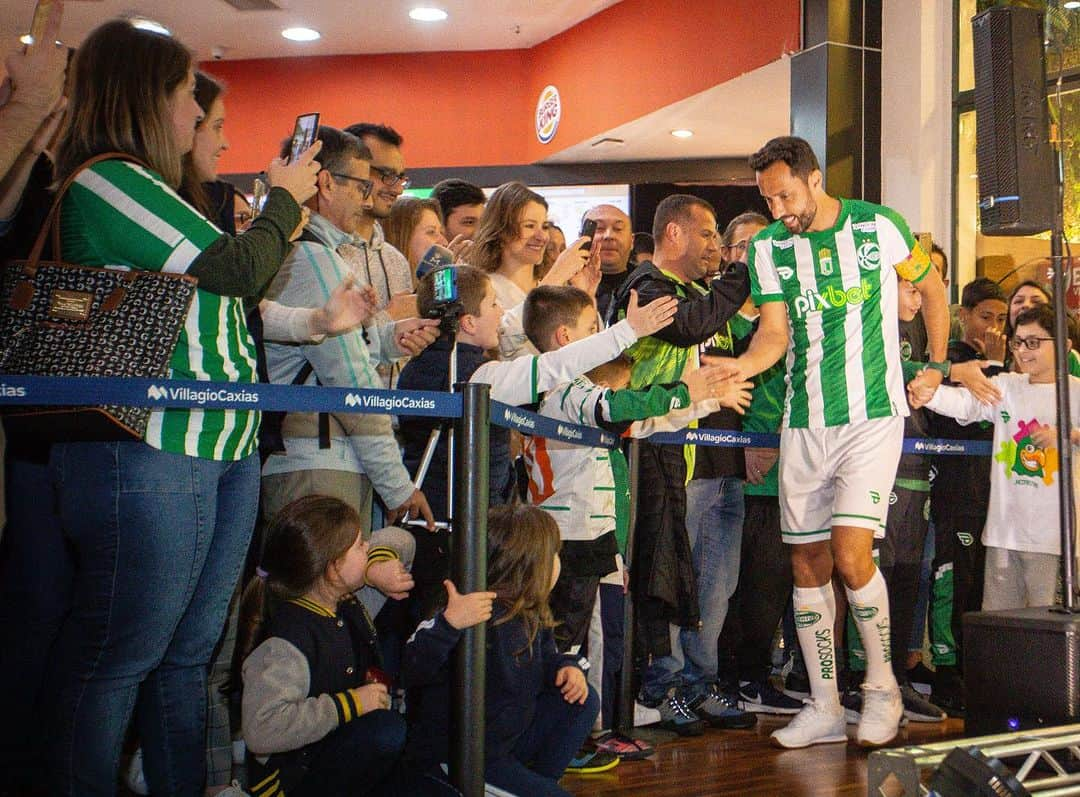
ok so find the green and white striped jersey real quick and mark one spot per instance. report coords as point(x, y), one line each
point(118, 213)
point(839, 285)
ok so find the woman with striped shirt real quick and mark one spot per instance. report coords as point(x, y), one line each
point(159, 527)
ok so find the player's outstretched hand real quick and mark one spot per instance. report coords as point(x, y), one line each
point(971, 376)
point(651, 318)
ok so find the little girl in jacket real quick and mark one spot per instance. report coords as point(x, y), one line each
point(315, 708)
point(539, 707)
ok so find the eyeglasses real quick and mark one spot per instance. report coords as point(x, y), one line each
point(365, 186)
point(391, 178)
point(1029, 343)
point(738, 246)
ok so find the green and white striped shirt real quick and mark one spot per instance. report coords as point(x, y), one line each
point(843, 360)
point(118, 213)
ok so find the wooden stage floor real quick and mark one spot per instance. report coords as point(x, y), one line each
point(745, 763)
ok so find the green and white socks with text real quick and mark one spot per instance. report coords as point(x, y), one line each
point(815, 613)
point(870, 608)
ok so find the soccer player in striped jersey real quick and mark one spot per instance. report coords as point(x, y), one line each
point(824, 275)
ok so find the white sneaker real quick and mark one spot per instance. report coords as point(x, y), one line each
point(817, 723)
point(881, 713)
point(233, 791)
point(643, 715)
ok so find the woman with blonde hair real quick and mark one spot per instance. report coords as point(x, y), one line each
point(414, 226)
point(159, 527)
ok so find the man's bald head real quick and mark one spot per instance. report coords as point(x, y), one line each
point(615, 233)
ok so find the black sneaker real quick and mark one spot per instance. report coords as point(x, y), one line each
point(922, 678)
point(676, 715)
point(851, 700)
point(721, 711)
point(949, 691)
point(797, 685)
point(764, 698)
point(917, 708)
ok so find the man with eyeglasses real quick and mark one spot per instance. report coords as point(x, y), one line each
point(343, 454)
point(377, 263)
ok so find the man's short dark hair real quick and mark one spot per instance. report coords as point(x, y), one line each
point(643, 243)
point(748, 217)
point(676, 208)
point(980, 290)
point(937, 250)
point(1041, 314)
point(454, 193)
point(384, 133)
point(338, 148)
point(548, 307)
point(793, 151)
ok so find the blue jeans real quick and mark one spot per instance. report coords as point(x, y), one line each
point(714, 519)
point(36, 571)
point(546, 748)
point(159, 540)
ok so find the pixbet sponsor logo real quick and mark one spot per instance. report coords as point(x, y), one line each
point(832, 299)
point(548, 114)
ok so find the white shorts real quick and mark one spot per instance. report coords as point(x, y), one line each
point(838, 476)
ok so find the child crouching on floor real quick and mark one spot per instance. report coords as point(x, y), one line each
point(539, 707)
point(315, 710)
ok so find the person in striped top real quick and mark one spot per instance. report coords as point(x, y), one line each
point(824, 275)
point(159, 527)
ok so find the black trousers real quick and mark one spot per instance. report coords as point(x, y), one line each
point(957, 582)
point(765, 584)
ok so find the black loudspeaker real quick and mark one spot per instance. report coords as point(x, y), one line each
point(1012, 147)
point(1021, 670)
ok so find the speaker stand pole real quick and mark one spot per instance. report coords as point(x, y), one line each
point(1067, 515)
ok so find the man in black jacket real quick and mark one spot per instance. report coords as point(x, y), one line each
point(662, 572)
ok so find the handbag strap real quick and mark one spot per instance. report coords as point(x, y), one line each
point(52, 221)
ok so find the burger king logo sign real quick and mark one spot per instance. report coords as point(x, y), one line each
point(548, 114)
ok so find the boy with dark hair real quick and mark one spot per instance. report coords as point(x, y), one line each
point(960, 496)
point(579, 485)
point(462, 205)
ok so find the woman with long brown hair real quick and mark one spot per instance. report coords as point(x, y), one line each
point(509, 245)
point(159, 526)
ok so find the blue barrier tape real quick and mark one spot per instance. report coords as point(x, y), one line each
point(76, 391)
point(530, 423)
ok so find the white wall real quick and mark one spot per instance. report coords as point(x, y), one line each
point(916, 135)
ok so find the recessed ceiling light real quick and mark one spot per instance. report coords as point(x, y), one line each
point(682, 132)
point(142, 23)
point(1071, 4)
point(26, 39)
point(301, 34)
point(426, 14)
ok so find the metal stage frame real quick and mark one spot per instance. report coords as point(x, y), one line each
point(899, 772)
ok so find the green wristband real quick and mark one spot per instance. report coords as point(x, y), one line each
point(942, 368)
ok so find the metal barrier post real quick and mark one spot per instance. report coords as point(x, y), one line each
point(624, 716)
point(469, 574)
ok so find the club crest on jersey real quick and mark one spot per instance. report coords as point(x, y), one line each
point(825, 261)
point(869, 256)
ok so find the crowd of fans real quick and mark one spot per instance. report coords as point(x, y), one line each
point(264, 603)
